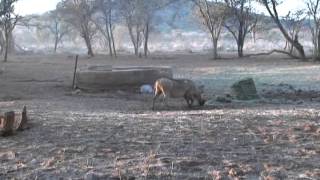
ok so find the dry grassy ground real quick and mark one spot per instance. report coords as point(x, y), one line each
point(115, 135)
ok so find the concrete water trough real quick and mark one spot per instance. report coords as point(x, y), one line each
point(108, 77)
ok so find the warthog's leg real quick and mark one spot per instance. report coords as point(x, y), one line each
point(165, 99)
point(201, 101)
point(156, 95)
point(188, 99)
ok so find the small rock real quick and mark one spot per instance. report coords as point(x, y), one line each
point(300, 102)
point(33, 162)
point(10, 155)
point(277, 174)
point(76, 92)
point(223, 99)
point(120, 92)
point(49, 162)
point(299, 91)
point(146, 89)
point(310, 128)
point(95, 176)
point(245, 89)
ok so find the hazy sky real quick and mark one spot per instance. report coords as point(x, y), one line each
point(286, 6)
point(24, 7)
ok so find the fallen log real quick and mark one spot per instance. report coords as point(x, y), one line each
point(278, 51)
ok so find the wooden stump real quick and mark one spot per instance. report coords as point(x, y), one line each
point(7, 124)
point(24, 120)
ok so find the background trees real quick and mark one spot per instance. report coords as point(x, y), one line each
point(314, 18)
point(212, 15)
point(57, 27)
point(271, 6)
point(139, 16)
point(132, 12)
point(52, 25)
point(240, 21)
point(8, 21)
point(106, 12)
point(97, 21)
point(293, 22)
point(79, 13)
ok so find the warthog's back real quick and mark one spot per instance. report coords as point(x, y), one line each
point(176, 87)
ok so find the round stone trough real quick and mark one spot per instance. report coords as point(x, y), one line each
point(108, 77)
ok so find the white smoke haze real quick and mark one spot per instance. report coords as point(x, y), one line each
point(176, 40)
point(176, 28)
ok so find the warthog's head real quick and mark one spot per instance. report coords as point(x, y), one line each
point(201, 99)
point(202, 102)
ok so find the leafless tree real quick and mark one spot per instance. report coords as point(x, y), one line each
point(8, 20)
point(314, 15)
point(240, 21)
point(138, 16)
point(105, 22)
point(271, 6)
point(57, 27)
point(79, 14)
point(51, 23)
point(262, 25)
point(293, 23)
point(212, 15)
point(131, 11)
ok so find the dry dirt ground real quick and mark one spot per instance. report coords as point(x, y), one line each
point(115, 135)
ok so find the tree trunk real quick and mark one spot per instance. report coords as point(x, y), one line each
point(137, 41)
point(109, 39)
point(317, 53)
point(240, 47)
point(11, 47)
point(254, 36)
point(111, 32)
point(7, 39)
point(6, 53)
point(56, 33)
point(2, 42)
point(240, 41)
point(291, 49)
point(275, 18)
point(215, 48)
point(113, 43)
point(296, 44)
point(300, 49)
point(286, 45)
point(136, 50)
point(56, 44)
point(6, 49)
point(89, 46)
point(133, 40)
point(146, 39)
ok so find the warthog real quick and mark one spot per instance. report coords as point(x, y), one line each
point(177, 88)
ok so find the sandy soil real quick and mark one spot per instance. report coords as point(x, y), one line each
point(115, 135)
